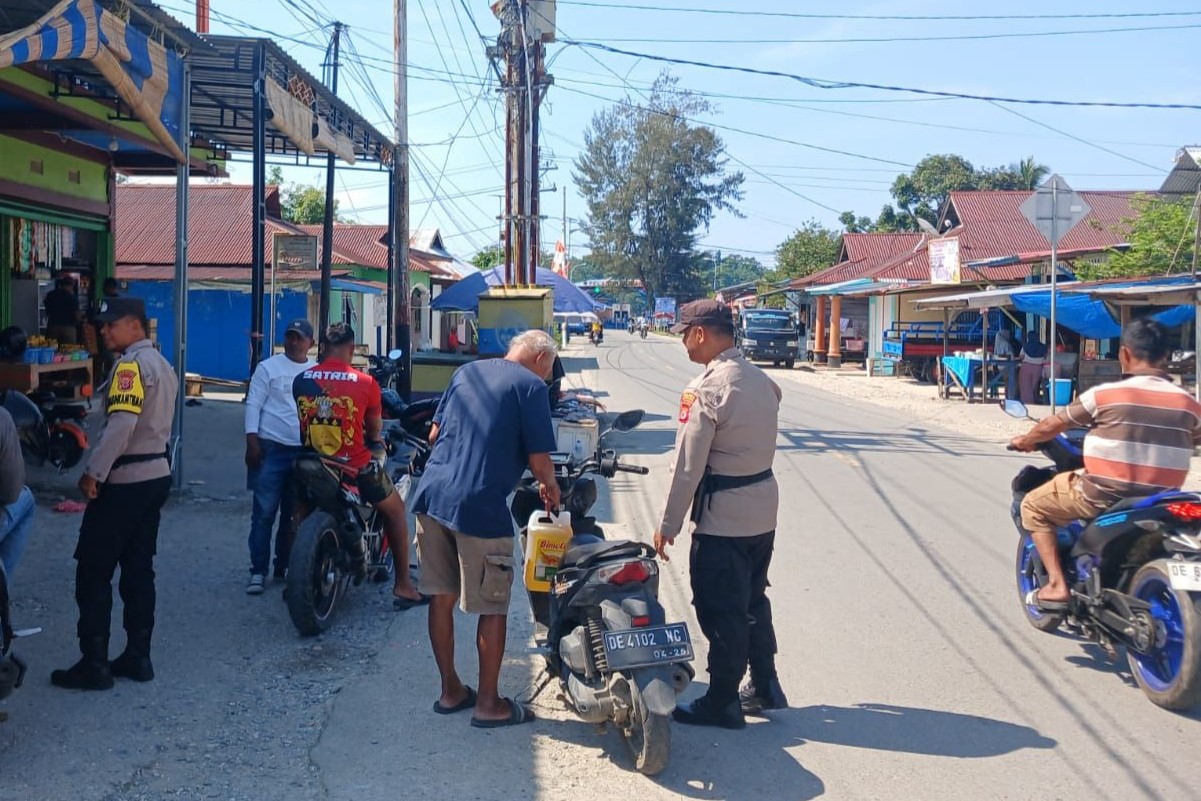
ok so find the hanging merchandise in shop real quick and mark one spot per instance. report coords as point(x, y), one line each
point(38, 244)
point(143, 73)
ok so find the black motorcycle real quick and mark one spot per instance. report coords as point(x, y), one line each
point(341, 539)
point(1134, 574)
point(606, 639)
point(12, 667)
point(385, 369)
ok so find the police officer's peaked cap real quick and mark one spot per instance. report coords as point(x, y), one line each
point(703, 312)
point(113, 309)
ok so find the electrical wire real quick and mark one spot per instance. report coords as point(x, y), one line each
point(1073, 137)
point(823, 83)
point(891, 17)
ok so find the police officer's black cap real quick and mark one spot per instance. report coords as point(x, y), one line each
point(113, 309)
point(703, 312)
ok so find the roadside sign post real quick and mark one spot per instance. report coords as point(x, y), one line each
point(1054, 209)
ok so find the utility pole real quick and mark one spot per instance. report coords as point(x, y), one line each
point(327, 230)
point(525, 26)
point(398, 278)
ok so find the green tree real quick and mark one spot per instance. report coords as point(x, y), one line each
point(652, 181)
point(732, 270)
point(489, 257)
point(301, 204)
point(1161, 239)
point(810, 248)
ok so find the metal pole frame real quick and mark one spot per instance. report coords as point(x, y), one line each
point(259, 189)
point(1196, 307)
point(1052, 386)
point(181, 276)
point(327, 228)
point(401, 312)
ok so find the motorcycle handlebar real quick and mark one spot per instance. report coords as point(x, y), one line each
point(630, 468)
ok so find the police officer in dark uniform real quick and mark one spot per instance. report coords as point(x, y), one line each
point(126, 481)
point(722, 469)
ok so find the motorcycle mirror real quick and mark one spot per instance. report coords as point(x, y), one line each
point(395, 354)
point(628, 421)
point(1015, 408)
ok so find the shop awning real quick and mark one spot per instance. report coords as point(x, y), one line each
point(1142, 295)
point(982, 299)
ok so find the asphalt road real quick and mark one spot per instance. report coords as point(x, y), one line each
point(910, 669)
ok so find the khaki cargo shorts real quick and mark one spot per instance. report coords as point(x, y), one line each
point(478, 570)
point(1057, 503)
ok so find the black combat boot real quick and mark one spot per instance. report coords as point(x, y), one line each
point(704, 712)
point(757, 697)
point(134, 662)
point(91, 672)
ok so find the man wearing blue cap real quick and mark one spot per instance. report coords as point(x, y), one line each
point(272, 444)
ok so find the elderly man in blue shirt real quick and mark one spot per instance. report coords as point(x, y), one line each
point(494, 422)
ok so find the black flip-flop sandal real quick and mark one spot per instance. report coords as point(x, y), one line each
point(1032, 599)
point(466, 703)
point(518, 714)
point(404, 604)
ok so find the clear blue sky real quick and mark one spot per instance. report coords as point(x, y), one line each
point(1145, 66)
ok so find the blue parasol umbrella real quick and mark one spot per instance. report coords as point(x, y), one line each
point(464, 295)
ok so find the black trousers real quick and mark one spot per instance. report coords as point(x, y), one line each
point(729, 591)
point(120, 529)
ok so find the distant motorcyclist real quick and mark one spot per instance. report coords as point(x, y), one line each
point(598, 333)
point(1142, 431)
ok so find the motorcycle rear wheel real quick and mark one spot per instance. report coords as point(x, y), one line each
point(648, 737)
point(1170, 674)
point(314, 578)
point(1031, 576)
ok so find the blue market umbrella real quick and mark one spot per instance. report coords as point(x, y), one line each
point(464, 295)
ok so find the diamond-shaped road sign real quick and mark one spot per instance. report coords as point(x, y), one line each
point(1054, 209)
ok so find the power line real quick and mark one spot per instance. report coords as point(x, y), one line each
point(1073, 137)
point(823, 83)
point(906, 39)
point(893, 17)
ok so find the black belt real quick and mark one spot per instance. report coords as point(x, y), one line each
point(711, 483)
point(136, 458)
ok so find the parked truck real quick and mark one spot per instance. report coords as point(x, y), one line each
point(769, 335)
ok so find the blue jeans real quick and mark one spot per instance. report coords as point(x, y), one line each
point(16, 522)
point(271, 483)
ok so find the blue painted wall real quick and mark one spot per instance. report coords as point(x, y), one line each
point(218, 325)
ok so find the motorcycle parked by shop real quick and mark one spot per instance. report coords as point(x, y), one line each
point(66, 437)
point(606, 637)
point(1134, 574)
point(341, 541)
point(385, 369)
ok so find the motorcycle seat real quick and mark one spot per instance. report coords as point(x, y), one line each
point(1131, 503)
point(590, 551)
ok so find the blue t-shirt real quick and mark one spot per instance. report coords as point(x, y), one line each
point(495, 413)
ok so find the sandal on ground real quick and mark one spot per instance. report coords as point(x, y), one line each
point(1032, 599)
point(518, 714)
point(401, 604)
point(467, 703)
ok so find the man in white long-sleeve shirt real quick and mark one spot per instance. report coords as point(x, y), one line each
point(272, 444)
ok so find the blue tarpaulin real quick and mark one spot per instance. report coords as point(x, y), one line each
point(1091, 318)
point(464, 295)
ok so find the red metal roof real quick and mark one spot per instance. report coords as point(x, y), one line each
point(861, 253)
point(993, 224)
point(166, 272)
point(365, 245)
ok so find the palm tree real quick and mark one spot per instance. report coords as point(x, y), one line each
point(1030, 173)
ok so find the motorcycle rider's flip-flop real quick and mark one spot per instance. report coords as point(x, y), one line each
point(1032, 599)
point(466, 703)
point(404, 604)
point(518, 714)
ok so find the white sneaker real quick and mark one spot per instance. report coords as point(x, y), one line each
point(255, 587)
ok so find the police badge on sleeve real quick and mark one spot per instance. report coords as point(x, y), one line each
point(127, 392)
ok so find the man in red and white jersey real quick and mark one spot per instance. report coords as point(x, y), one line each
point(1142, 432)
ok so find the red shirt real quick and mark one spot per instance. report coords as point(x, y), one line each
point(334, 401)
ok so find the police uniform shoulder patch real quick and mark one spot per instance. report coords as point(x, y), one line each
point(686, 402)
point(127, 392)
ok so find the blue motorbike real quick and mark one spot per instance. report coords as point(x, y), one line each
point(1134, 574)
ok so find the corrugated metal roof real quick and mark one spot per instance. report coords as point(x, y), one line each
point(860, 254)
point(1185, 177)
point(365, 245)
point(166, 272)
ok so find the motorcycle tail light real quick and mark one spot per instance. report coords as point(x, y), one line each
point(640, 621)
point(1187, 511)
point(635, 572)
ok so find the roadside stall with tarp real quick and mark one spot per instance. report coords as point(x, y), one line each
point(464, 295)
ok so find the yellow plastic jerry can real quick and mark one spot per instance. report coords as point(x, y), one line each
point(546, 537)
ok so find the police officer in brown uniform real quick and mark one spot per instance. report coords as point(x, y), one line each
point(126, 481)
point(722, 469)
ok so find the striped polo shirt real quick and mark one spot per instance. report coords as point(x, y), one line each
point(1143, 431)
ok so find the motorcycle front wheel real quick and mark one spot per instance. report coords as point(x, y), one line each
point(1031, 576)
point(1169, 673)
point(648, 737)
point(314, 578)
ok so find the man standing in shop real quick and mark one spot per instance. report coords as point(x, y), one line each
point(62, 311)
point(126, 481)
